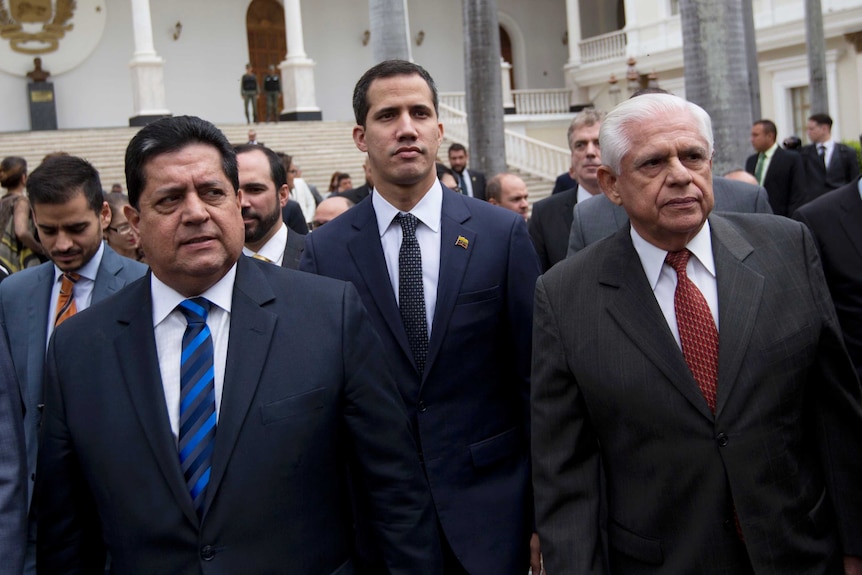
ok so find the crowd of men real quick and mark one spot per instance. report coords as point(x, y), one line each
point(653, 374)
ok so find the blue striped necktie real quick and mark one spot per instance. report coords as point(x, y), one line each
point(197, 400)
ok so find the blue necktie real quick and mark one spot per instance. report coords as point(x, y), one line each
point(197, 400)
point(411, 294)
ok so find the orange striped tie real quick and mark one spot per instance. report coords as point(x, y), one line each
point(66, 307)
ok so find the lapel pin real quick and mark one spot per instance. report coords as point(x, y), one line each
point(462, 242)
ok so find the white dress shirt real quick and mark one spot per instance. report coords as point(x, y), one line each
point(428, 211)
point(273, 250)
point(468, 183)
point(829, 149)
point(169, 325)
point(83, 290)
point(662, 278)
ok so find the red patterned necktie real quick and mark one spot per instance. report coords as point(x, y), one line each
point(697, 331)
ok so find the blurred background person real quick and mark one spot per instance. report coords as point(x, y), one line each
point(19, 248)
point(119, 234)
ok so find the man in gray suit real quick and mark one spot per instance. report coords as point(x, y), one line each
point(71, 215)
point(13, 469)
point(598, 217)
point(691, 369)
point(263, 181)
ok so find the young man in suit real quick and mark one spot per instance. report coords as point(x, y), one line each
point(552, 217)
point(830, 164)
point(263, 182)
point(781, 172)
point(834, 220)
point(689, 371)
point(71, 215)
point(471, 182)
point(204, 419)
point(448, 281)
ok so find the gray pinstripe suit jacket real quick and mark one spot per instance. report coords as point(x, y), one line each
point(611, 389)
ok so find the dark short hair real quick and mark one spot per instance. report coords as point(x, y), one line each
point(768, 126)
point(60, 178)
point(388, 69)
point(821, 119)
point(277, 169)
point(456, 147)
point(12, 171)
point(169, 135)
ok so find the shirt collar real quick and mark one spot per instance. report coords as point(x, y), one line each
point(652, 257)
point(427, 211)
point(166, 299)
point(771, 150)
point(273, 249)
point(90, 269)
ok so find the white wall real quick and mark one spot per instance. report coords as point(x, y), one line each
point(203, 67)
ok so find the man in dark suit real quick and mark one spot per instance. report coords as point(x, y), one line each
point(551, 221)
point(690, 368)
point(356, 195)
point(598, 217)
point(471, 182)
point(13, 468)
point(448, 282)
point(263, 183)
point(829, 164)
point(834, 219)
point(781, 172)
point(204, 419)
point(71, 215)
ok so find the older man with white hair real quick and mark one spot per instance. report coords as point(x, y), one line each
point(689, 370)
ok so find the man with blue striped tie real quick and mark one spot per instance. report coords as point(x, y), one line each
point(217, 415)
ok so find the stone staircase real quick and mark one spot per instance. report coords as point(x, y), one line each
point(319, 148)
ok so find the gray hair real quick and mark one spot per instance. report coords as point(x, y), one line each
point(614, 134)
point(586, 117)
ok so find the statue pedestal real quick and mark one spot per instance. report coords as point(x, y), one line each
point(43, 110)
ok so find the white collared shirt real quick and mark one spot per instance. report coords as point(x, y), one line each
point(584, 194)
point(169, 325)
point(662, 278)
point(83, 290)
point(273, 250)
point(428, 211)
point(468, 183)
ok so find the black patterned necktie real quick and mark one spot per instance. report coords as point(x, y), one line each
point(821, 151)
point(197, 400)
point(411, 294)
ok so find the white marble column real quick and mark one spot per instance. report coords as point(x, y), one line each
point(148, 79)
point(573, 25)
point(297, 70)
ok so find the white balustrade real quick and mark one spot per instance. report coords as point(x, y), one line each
point(604, 47)
point(542, 101)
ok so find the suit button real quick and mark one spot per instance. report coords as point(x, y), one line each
point(422, 408)
point(722, 439)
point(207, 552)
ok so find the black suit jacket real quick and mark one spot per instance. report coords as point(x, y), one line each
point(293, 250)
point(291, 213)
point(843, 168)
point(477, 181)
point(355, 195)
point(550, 225)
point(835, 219)
point(611, 390)
point(305, 392)
point(785, 180)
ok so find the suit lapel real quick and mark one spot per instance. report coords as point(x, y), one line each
point(367, 253)
point(454, 255)
point(38, 309)
point(638, 314)
point(739, 292)
point(249, 343)
point(144, 383)
point(107, 282)
point(292, 250)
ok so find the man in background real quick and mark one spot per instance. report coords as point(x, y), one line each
point(780, 171)
point(509, 191)
point(272, 88)
point(830, 164)
point(471, 182)
point(249, 90)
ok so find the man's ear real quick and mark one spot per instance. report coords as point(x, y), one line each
point(105, 216)
point(133, 217)
point(283, 195)
point(359, 138)
point(608, 184)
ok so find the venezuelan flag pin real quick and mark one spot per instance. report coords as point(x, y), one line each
point(462, 242)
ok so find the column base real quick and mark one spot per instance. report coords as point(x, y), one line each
point(301, 116)
point(144, 119)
